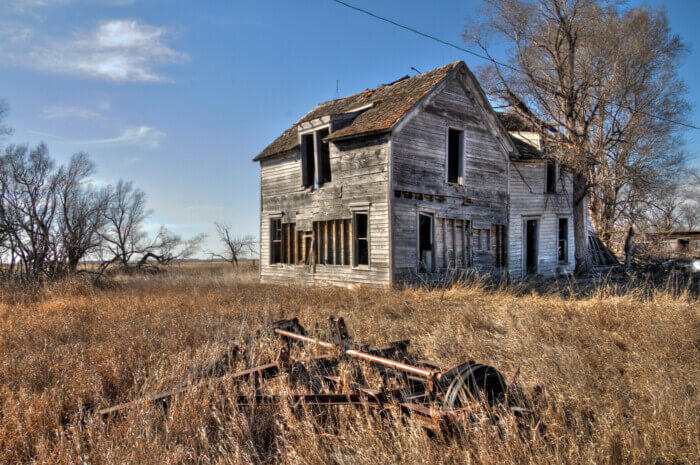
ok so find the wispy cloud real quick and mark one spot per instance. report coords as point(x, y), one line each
point(61, 111)
point(119, 51)
point(29, 5)
point(139, 135)
point(143, 136)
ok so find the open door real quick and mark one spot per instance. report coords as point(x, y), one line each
point(531, 227)
point(425, 243)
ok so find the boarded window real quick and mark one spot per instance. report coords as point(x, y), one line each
point(482, 239)
point(551, 177)
point(332, 239)
point(324, 157)
point(308, 160)
point(563, 242)
point(282, 241)
point(499, 246)
point(455, 156)
point(304, 247)
point(361, 227)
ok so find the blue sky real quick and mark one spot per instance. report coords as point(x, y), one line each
point(179, 96)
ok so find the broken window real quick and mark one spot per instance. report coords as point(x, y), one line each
point(551, 169)
point(304, 247)
point(563, 242)
point(332, 239)
point(315, 159)
point(455, 156)
point(482, 239)
point(324, 157)
point(308, 163)
point(282, 240)
point(361, 227)
point(499, 246)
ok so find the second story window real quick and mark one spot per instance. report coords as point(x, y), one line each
point(551, 177)
point(315, 159)
point(455, 156)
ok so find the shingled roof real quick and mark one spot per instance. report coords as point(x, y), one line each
point(389, 103)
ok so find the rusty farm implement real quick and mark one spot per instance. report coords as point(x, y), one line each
point(342, 372)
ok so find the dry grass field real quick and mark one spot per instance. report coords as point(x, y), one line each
point(615, 374)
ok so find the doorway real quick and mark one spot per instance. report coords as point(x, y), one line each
point(425, 243)
point(531, 227)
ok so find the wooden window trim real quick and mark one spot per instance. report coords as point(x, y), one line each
point(315, 183)
point(354, 259)
point(566, 260)
point(547, 164)
point(462, 162)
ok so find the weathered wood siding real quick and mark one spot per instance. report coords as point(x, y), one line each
point(419, 153)
point(360, 180)
point(528, 200)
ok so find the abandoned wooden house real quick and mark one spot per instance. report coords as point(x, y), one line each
point(409, 181)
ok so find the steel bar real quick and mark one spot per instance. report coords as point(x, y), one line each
point(295, 400)
point(268, 368)
point(428, 374)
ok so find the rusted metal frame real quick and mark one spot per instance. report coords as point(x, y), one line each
point(427, 374)
point(163, 397)
point(295, 400)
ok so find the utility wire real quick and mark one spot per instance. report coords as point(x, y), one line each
point(479, 55)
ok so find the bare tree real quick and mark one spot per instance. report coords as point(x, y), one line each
point(123, 235)
point(677, 206)
point(168, 247)
point(28, 206)
point(82, 212)
point(588, 77)
point(234, 247)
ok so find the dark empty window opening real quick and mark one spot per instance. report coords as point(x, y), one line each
point(425, 243)
point(563, 242)
point(315, 159)
point(308, 160)
point(455, 156)
point(324, 157)
point(361, 227)
point(551, 187)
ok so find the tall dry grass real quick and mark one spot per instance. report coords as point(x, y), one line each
point(615, 375)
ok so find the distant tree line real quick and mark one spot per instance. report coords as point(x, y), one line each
point(52, 218)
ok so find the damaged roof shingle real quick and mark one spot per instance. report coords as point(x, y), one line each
point(389, 103)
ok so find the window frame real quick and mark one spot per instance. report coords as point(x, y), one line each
point(547, 164)
point(315, 183)
point(566, 260)
point(355, 258)
point(462, 156)
point(273, 241)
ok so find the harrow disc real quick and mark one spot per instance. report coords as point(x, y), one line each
point(476, 382)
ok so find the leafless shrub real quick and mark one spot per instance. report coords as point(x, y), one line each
point(234, 247)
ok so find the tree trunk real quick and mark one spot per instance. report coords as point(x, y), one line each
point(628, 248)
point(583, 258)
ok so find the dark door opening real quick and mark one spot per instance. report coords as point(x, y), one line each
point(531, 246)
point(425, 243)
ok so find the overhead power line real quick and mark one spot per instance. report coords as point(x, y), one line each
point(478, 55)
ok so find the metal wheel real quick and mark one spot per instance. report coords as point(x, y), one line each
point(476, 382)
